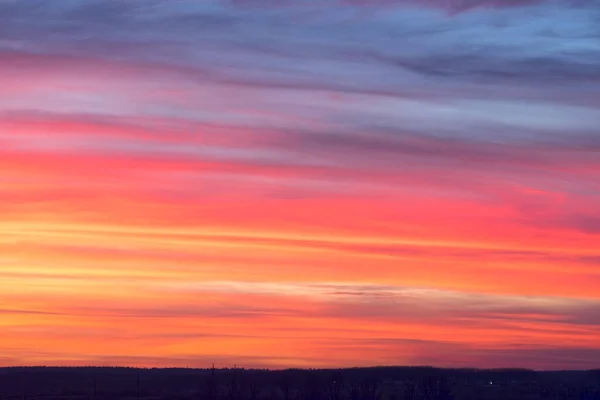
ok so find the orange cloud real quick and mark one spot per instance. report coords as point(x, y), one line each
point(165, 233)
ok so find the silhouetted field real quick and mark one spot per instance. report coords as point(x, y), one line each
point(378, 383)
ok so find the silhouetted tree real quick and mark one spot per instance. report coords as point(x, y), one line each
point(253, 390)
point(287, 387)
point(249, 385)
point(409, 391)
point(355, 393)
point(336, 386)
point(312, 388)
point(436, 388)
point(211, 384)
point(234, 385)
point(370, 389)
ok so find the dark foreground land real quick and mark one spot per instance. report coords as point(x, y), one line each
point(378, 383)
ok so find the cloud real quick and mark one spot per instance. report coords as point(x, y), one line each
point(420, 177)
point(492, 51)
point(403, 304)
point(585, 223)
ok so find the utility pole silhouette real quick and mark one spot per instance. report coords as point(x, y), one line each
point(212, 384)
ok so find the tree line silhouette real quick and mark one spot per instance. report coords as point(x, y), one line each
point(379, 383)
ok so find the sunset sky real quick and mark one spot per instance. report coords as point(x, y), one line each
point(307, 183)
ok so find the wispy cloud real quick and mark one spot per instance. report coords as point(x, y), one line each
point(251, 176)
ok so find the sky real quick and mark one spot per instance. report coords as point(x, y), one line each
point(308, 183)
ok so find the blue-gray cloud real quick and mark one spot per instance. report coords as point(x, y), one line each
point(502, 73)
point(538, 41)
